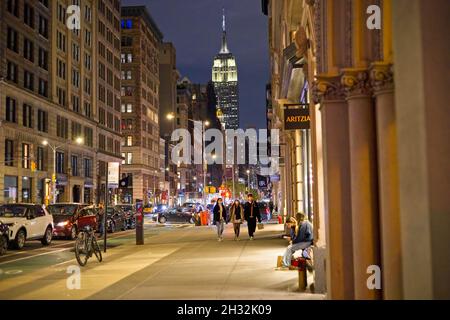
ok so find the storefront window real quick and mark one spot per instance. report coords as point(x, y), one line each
point(10, 194)
point(26, 189)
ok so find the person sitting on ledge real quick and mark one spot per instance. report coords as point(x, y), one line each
point(301, 238)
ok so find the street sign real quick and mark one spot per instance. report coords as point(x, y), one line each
point(113, 174)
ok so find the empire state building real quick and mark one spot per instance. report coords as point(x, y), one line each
point(225, 79)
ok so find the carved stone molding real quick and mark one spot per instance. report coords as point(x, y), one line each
point(356, 82)
point(327, 88)
point(381, 76)
point(310, 2)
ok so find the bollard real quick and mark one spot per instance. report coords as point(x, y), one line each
point(302, 280)
point(139, 224)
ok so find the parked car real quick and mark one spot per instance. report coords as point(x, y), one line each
point(130, 214)
point(157, 210)
point(148, 209)
point(179, 215)
point(197, 207)
point(27, 222)
point(69, 218)
point(115, 219)
point(4, 238)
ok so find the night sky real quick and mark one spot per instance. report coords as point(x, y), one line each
point(194, 26)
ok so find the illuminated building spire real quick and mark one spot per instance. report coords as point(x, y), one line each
point(224, 48)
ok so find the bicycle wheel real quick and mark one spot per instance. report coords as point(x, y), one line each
point(96, 248)
point(81, 249)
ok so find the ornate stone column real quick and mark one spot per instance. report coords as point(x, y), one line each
point(381, 78)
point(364, 185)
point(329, 92)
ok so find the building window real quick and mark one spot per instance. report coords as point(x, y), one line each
point(87, 109)
point(43, 87)
point(27, 115)
point(26, 189)
point(61, 93)
point(61, 69)
point(76, 104)
point(40, 159)
point(129, 141)
point(12, 72)
point(88, 137)
point(126, 24)
point(88, 168)
point(74, 165)
point(43, 27)
point(60, 162)
point(28, 80)
point(75, 78)
point(61, 41)
point(76, 130)
point(28, 49)
point(42, 121)
point(10, 110)
point(12, 40)
point(62, 127)
point(9, 153)
point(44, 2)
point(101, 116)
point(13, 7)
point(28, 15)
point(43, 59)
point(25, 156)
point(87, 86)
point(129, 158)
point(101, 142)
point(87, 61)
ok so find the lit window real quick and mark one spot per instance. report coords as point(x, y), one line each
point(129, 158)
point(129, 141)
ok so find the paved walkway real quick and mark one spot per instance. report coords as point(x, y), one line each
point(180, 263)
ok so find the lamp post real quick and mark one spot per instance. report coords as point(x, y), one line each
point(79, 141)
point(168, 187)
point(248, 180)
point(171, 116)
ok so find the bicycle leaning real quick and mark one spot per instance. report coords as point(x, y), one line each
point(86, 245)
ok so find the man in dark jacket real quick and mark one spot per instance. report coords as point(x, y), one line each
point(251, 213)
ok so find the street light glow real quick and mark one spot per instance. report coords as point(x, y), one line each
point(79, 140)
point(170, 116)
point(206, 123)
point(248, 171)
point(45, 142)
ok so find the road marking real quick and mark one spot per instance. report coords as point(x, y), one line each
point(34, 256)
point(57, 251)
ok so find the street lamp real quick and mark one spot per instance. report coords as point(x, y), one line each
point(206, 123)
point(78, 140)
point(248, 179)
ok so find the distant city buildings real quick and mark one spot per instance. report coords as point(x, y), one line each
point(141, 41)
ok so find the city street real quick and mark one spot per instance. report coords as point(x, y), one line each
point(176, 262)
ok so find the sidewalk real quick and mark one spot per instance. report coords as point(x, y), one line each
point(183, 263)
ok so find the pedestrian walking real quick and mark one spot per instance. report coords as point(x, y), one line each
point(251, 214)
point(220, 216)
point(237, 217)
